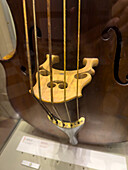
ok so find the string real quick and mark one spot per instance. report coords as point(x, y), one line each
point(64, 23)
point(78, 56)
point(50, 47)
point(36, 48)
point(28, 53)
point(50, 56)
point(27, 46)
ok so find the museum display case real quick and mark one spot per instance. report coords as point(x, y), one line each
point(64, 80)
point(8, 115)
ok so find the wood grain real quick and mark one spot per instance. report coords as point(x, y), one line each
point(104, 101)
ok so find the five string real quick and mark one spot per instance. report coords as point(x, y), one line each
point(50, 55)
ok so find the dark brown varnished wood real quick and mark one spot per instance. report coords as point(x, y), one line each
point(104, 101)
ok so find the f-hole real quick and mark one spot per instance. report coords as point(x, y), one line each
point(118, 52)
point(32, 51)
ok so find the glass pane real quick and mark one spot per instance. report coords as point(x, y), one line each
point(8, 116)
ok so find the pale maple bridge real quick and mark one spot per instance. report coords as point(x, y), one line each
point(85, 77)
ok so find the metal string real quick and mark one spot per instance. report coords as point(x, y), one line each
point(27, 46)
point(28, 54)
point(50, 56)
point(36, 48)
point(50, 47)
point(78, 58)
point(64, 29)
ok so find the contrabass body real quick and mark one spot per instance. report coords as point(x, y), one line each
point(103, 102)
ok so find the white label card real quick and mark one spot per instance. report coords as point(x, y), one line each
point(71, 154)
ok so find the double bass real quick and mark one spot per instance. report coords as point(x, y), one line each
point(55, 86)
